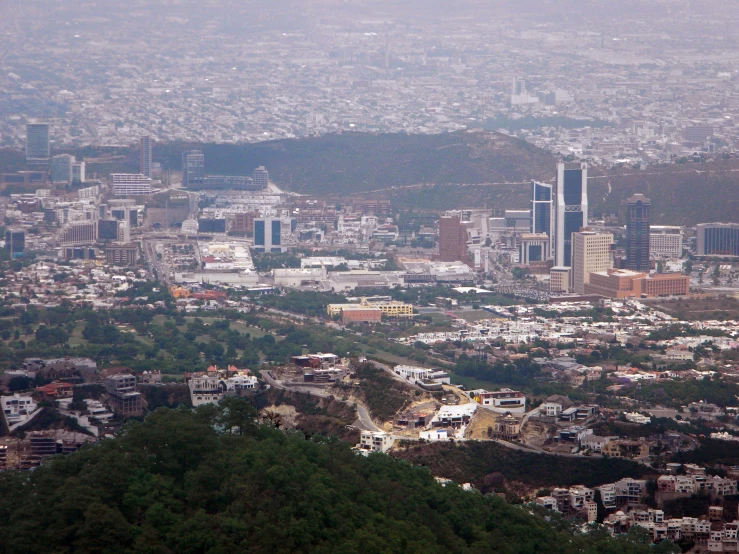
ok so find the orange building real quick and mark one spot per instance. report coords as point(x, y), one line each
point(623, 283)
point(358, 315)
point(55, 390)
point(179, 292)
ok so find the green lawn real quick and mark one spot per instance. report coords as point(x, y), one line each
point(75, 339)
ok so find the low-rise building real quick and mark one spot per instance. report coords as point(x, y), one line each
point(205, 389)
point(360, 315)
point(375, 441)
point(17, 409)
point(504, 400)
point(626, 449)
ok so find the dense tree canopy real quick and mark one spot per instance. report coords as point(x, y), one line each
point(214, 481)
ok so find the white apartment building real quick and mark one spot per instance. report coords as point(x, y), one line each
point(665, 241)
point(375, 441)
point(591, 252)
point(130, 184)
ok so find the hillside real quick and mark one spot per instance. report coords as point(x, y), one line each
point(473, 460)
point(437, 172)
point(361, 162)
point(175, 484)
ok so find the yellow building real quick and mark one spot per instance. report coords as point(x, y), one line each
point(179, 292)
point(389, 308)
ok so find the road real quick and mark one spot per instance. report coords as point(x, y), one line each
point(364, 420)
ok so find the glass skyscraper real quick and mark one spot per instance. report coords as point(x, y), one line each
point(570, 209)
point(37, 145)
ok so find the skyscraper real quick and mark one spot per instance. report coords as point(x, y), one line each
point(145, 156)
point(261, 177)
point(37, 145)
point(570, 208)
point(15, 242)
point(541, 212)
point(61, 168)
point(452, 240)
point(193, 168)
point(591, 252)
point(267, 235)
point(637, 232)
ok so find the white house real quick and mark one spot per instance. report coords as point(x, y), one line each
point(550, 409)
point(17, 408)
point(375, 441)
point(422, 374)
point(205, 389)
point(504, 400)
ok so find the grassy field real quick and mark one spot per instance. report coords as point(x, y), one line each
point(473, 316)
point(699, 307)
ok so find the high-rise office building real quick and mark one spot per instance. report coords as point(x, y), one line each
point(541, 212)
point(261, 177)
point(570, 208)
point(591, 252)
point(267, 235)
point(130, 184)
point(62, 168)
point(193, 168)
point(665, 241)
point(15, 242)
point(145, 156)
point(79, 232)
point(108, 229)
point(637, 232)
point(78, 172)
point(717, 239)
point(37, 145)
point(452, 240)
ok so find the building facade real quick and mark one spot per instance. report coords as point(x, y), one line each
point(38, 150)
point(542, 219)
point(665, 241)
point(637, 232)
point(570, 209)
point(623, 283)
point(193, 168)
point(717, 239)
point(130, 184)
point(268, 235)
point(79, 232)
point(125, 255)
point(15, 242)
point(452, 240)
point(145, 156)
point(61, 169)
point(559, 280)
point(260, 178)
point(591, 252)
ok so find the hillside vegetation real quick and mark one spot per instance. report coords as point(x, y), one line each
point(362, 162)
point(175, 483)
point(472, 461)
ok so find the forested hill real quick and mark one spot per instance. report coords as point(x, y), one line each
point(175, 484)
point(361, 162)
